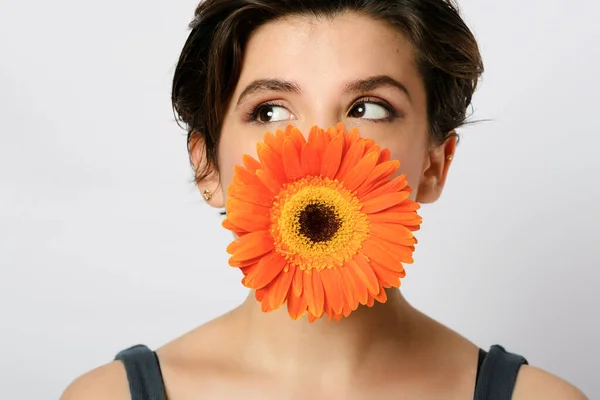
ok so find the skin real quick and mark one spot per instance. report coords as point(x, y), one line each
point(377, 352)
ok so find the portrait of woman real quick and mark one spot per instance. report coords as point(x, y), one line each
point(402, 75)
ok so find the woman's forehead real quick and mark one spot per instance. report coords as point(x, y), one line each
point(321, 52)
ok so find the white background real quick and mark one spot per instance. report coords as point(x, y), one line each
point(105, 243)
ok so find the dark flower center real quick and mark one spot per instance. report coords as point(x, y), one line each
point(318, 222)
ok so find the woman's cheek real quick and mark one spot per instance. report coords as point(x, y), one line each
point(411, 165)
point(231, 155)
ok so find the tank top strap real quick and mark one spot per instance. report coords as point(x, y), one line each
point(498, 374)
point(143, 373)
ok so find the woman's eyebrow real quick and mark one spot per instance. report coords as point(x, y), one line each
point(274, 85)
point(374, 82)
point(359, 85)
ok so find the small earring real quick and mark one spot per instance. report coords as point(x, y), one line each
point(450, 157)
point(207, 194)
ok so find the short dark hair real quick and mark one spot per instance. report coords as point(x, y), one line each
point(210, 63)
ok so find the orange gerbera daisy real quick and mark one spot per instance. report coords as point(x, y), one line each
point(321, 224)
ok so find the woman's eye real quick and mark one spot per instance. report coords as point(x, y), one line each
point(272, 113)
point(369, 111)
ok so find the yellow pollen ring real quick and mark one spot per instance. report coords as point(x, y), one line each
point(300, 250)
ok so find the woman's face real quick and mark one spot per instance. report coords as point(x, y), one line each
point(352, 69)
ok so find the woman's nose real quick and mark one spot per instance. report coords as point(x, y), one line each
point(322, 121)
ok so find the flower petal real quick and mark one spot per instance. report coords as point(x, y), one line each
point(371, 302)
point(320, 143)
point(332, 157)
point(383, 202)
point(297, 282)
point(296, 136)
point(406, 219)
point(386, 277)
point(378, 252)
point(280, 287)
point(271, 161)
point(357, 175)
point(245, 264)
point(351, 158)
point(250, 162)
point(312, 133)
point(384, 156)
point(310, 160)
point(364, 271)
point(354, 286)
point(350, 297)
point(291, 160)
point(235, 204)
point(329, 311)
point(267, 269)
point(380, 174)
point(250, 266)
point(334, 294)
point(394, 233)
point(332, 133)
point(249, 222)
point(251, 240)
point(251, 194)
point(253, 248)
point(406, 206)
point(351, 137)
point(275, 142)
point(244, 176)
point(347, 310)
point(313, 291)
point(264, 306)
point(402, 254)
point(260, 294)
point(361, 291)
point(296, 306)
point(395, 185)
point(269, 180)
point(308, 292)
point(370, 144)
point(231, 227)
point(381, 296)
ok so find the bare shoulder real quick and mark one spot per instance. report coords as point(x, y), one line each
point(106, 382)
point(181, 360)
point(534, 383)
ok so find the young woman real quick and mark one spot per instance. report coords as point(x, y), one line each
point(403, 72)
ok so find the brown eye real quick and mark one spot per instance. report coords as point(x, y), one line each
point(271, 113)
point(368, 111)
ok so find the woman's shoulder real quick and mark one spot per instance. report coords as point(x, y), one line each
point(535, 383)
point(105, 382)
point(110, 381)
point(531, 382)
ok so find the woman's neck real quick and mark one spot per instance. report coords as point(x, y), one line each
point(277, 342)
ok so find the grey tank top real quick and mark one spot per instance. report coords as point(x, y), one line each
point(496, 373)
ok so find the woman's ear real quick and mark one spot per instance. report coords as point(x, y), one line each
point(436, 170)
point(210, 186)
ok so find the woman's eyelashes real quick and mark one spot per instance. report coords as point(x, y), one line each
point(375, 110)
point(268, 112)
